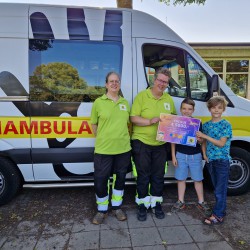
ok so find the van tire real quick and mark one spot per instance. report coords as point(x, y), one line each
point(10, 180)
point(239, 175)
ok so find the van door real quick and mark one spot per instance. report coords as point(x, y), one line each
point(189, 78)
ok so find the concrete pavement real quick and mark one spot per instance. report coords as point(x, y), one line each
point(61, 219)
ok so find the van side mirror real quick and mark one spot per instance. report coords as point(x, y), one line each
point(214, 89)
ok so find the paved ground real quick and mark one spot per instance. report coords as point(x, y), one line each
point(61, 219)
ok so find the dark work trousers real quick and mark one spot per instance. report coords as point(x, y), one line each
point(104, 166)
point(150, 164)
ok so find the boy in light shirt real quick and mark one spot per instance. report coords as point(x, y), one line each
point(217, 135)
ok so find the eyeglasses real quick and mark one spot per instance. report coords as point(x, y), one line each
point(114, 81)
point(161, 81)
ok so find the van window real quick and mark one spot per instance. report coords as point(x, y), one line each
point(71, 70)
point(188, 77)
point(198, 80)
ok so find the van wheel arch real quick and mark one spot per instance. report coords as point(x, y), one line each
point(10, 180)
point(239, 175)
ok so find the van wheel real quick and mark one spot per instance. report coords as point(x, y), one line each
point(10, 180)
point(239, 175)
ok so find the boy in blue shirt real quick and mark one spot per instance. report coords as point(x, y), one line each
point(217, 135)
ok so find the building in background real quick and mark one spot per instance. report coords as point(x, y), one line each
point(230, 61)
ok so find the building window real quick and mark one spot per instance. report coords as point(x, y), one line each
point(237, 66)
point(238, 83)
point(216, 65)
point(234, 72)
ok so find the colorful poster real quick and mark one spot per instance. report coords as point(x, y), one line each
point(178, 129)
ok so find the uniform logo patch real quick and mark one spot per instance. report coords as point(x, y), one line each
point(167, 106)
point(123, 107)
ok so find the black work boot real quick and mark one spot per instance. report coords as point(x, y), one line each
point(157, 210)
point(142, 212)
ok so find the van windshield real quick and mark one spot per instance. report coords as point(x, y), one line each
point(188, 77)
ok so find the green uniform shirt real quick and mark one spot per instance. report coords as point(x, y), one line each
point(147, 106)
point(112, 120)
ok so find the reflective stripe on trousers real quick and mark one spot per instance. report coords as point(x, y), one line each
point(116, 194)
point(102, 203)
point(154, 199)
point(145, 201)
point(117, 197)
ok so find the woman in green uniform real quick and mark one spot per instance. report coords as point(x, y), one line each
point(150, 155)
point(109, 119)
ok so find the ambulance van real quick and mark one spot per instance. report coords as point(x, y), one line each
point(53, 63)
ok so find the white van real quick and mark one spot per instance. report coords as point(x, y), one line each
point(53, 63)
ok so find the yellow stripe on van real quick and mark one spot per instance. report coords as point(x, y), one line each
point(240, 124)
point(45, 127)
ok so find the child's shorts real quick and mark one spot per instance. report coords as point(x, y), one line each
point(193, 163)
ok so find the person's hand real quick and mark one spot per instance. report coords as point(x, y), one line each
point(205, 158)
point(199, 139)
point(199, 134)
point(154, 120)
point(174, 161)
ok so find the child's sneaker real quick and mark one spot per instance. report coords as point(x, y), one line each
point(178, 206)
point(205, 208)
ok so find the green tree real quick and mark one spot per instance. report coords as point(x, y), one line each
point(40, 45)
point(56, 82)
point(184, 2)
point(129, 3)
point(238, 83)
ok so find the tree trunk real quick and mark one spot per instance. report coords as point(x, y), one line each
point(124, 4)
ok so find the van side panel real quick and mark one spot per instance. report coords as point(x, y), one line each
point(57, 157)
point(26, 125)
point(14, 21)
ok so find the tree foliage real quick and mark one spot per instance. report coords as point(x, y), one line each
point(59, 81)
point(40, 45)
point(129, 3)
point(184, 2)
point(51, 81)
point(238, 83)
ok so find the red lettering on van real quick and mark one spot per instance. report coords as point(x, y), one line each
point(56, 130)
point(10, 127)
point(84, 128)
point(70, 131)
point(25, 128)
point(45, 127)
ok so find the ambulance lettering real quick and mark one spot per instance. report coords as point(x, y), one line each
point(20, 128)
